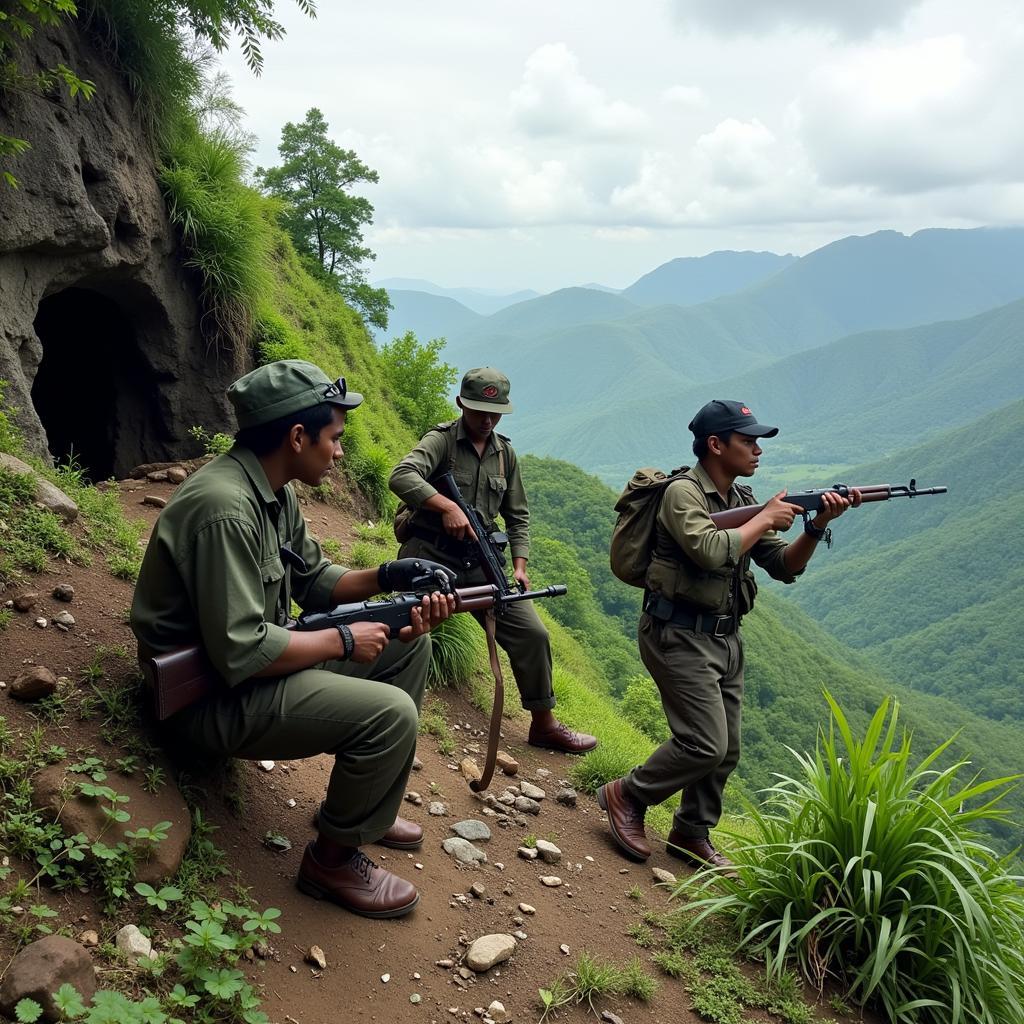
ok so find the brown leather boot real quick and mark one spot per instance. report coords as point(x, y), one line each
point(403, 835)
point(357, 885)
point(562, 738)
point(698, 852)
point(626, 819)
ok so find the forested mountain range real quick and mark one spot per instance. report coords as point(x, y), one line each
point(934, 592)
point(477, 300)
point(847, 402)
point(790, 658)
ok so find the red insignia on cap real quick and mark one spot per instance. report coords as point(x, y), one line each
point(746, 411)
point(490, 391)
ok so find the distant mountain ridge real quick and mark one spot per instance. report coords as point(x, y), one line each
point(479, 300)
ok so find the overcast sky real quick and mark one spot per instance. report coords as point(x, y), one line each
point(544, 144)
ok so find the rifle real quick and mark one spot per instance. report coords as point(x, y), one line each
point(185, 675)
point(810, 501)
point(490, 544)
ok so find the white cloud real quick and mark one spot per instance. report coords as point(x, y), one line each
point(750, 17)
point(689, 97)
point(905, 119)
point(554, 98)
point(737, 154)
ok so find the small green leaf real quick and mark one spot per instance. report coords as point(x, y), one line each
point(28, 1011)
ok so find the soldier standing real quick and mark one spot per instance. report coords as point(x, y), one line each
point(486, 471)
point(698, 588)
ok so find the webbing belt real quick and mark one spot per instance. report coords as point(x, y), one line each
point(664, 610)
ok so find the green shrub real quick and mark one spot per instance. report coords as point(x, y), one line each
point(10, 437)
point(276, 339)
point(418, 381)
point(456, 651)
point(868, 868)
point(368, 465)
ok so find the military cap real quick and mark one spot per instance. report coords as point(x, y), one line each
point(485, 389)
point(717, 417)
point(286, 386)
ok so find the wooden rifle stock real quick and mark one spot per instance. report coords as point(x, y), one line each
point(810, 501)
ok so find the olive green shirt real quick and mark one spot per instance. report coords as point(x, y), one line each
point(213, 572)
point(479, 478)
point(694, 561)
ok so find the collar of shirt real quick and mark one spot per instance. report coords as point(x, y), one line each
point(461, 434)
point(708, 486)
point(247, 459)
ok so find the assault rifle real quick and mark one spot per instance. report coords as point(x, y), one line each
point(183, 676)
point(810, 501)
point(490, 544)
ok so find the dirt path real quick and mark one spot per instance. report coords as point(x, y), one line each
point(601, 897)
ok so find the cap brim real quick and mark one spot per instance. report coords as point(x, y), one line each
point(499, 408)
point(351, 400)
point(757, 430)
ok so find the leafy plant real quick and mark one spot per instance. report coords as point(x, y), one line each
point(456, 651)
point(868, 867)
point(213, 444)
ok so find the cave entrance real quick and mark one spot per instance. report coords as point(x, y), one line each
point(90, 390)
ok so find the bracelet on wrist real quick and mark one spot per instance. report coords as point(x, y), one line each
point(348, 642)
point(818, 533)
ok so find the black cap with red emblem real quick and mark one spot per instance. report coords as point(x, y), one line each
point(485, 389)
point(718, 416)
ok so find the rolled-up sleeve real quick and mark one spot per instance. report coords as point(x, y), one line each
point(684, 514)
point(228, 598)
point(516, 513)
point(770, 554)
point(409, 479)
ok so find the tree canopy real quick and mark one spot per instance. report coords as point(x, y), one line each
point(324, 217)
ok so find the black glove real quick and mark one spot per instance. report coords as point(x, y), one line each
point(418, 575)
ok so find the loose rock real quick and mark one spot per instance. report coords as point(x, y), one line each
point(566, 796)
point(478, 889)
point(177, 474)
point(437, 809)
point(611, 1018)
point(42, 623)
point(131, 942)
point(661, 875)
point(489, 950)
point(551, 881)
point(525, 908)
point(497, 1012)
point(315, 955)
point(473, 830)
point(549, 853)
point(64, 592)
point(48, 495)
point(507, 763)
point(414, 798)
point(25, 602)
point(530, 790)
point(265, 766)
point(41, 968)
point(34, 683)
point(526, 805)
point(564, 949)
point(65, 619)
point(527, 852)
point(417, 764)
point(464, 851)
point(89, 939)
point(157, 476)
point(155, 500)
point(470, 769)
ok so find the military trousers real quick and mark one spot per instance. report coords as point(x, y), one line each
point(518, 632)
point(367, 716)
point(700, 679)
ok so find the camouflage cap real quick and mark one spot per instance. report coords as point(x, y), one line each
point(289, 385)
point(485, 389)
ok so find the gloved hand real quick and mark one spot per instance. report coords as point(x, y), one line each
point(419, 575)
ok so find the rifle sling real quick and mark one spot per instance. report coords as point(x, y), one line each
point(479, 785)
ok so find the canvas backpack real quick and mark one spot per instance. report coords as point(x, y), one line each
point(633, 535)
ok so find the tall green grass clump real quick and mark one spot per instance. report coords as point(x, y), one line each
point(223, 226)
point(868, 868)
point(456, 652)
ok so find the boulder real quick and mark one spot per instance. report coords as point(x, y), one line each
point(41, 968)
point(48, 495)
point(155, 862)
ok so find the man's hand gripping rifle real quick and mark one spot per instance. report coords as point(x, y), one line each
point(810, 501)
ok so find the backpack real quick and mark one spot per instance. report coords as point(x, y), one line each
point(633, 534)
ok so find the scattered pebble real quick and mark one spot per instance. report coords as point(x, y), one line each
point(507, 763)
point(531, 791)
point(415, 997)
point(41, 622)
point(315, 955)
point(64, 592)
point(528, 852)
point(437, 809)
point(564, 949)
point(290, 802)
point(464, 851)
point(385, 978)
point(89, 939)
point(177, 474)
point(131, 942)
point(64, 619)
point(470, 769)
point(566, 796)
point(414, 798)
point(417, 764)
point(525, 908)
point(497, 1012)
point(478, 889)
point(489, 950)
point(661, 875)
point(549, 853)
point(266, 766)
point(444, 964)
point(551, 881)
point(155, 500)
point(526, 805)
point(611, 1018)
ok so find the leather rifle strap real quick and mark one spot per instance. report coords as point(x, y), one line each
point(479, 785)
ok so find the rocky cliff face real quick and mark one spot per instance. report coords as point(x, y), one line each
point(99, 323)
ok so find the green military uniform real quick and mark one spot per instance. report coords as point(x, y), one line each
point(493, 484)
point(698, 578)
point(213, 573)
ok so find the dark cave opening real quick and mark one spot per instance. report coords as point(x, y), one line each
point(89, 388)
